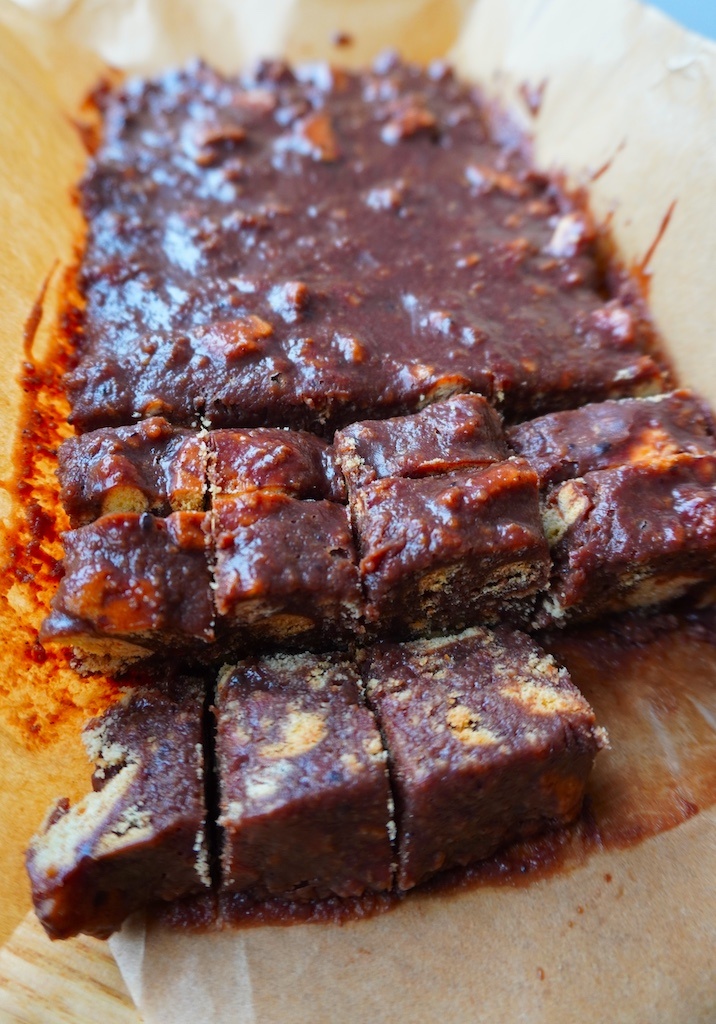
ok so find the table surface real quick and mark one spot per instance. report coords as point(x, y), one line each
point(72, 982)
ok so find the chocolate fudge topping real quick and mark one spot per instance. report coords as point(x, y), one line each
point(306, 248)
point(140, 837)
point(605, 435)
point(151, 466)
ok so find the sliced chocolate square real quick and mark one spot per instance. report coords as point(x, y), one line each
point(462, 432)
point(148, 467)
point(630, 537)
point(488, 742)
point(604, 435)
point(441, 553)
point(285, 573)
point(140, 837)
point(305, 804)
point(133, 584)
point(292, 461)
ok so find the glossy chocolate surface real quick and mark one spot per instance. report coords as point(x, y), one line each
point(307, 248)
point(568, 444)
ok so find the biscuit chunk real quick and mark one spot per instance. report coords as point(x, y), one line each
point(305, 804)
point(140, 836)
point(488, 742)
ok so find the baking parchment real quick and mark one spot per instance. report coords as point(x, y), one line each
point(625, 93)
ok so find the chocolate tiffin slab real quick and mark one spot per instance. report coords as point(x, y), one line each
point(440, 260)
point(306, 810)
point(140, 836)
point(488, 742)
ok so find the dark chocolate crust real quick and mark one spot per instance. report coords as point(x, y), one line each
point(305, 803)
point(310, 248)
point(488, 742)
point(605, 435)
point(140, 837)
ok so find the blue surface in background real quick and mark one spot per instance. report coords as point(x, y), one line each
point(697, 15)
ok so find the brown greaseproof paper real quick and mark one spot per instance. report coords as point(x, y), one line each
point(626, 90)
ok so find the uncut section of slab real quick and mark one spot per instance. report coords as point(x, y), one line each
point(206, 194)
point(133, 584)
point(488, 741)
point(148, 467)
point(605, 435)
point(634, 536)
point(306, 811)
point(444, 552)
point(140, 837)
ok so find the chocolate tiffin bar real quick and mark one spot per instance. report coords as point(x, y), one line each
point(630, 537)
point(140, 837)
point(330, 777)
point(604, 435)
point(133, 583)
point(488, 741)
point(306, 810)
point(628, 500)
point(148, 467)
